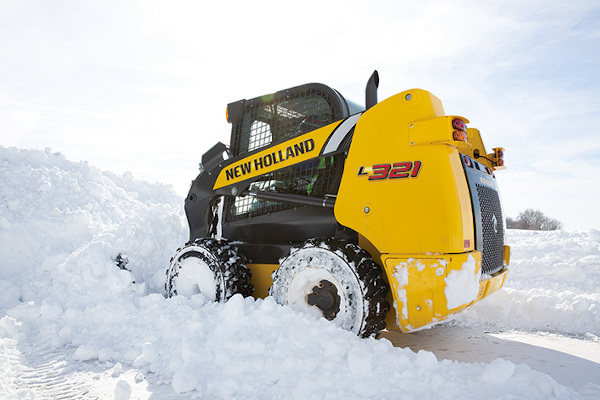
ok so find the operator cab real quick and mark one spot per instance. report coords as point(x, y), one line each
point(277, 117)
point(269, 120)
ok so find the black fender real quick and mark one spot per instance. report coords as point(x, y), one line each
point(201, 198)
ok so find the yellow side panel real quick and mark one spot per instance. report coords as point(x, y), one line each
point(420, 288)
point(272, 158)
point(261, 279)
point(429, 212)
point(414, 285)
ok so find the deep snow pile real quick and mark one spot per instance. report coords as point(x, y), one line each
point(553, 285)
point(62, 224)
point(52, 209)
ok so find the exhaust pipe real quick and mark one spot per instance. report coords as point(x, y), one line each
point(371, 90)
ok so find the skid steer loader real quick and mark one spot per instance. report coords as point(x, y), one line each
point(383, 216)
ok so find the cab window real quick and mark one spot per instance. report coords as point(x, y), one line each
point(280, 117)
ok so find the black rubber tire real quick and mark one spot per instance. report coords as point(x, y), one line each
point(218, 258)
point(359, 281)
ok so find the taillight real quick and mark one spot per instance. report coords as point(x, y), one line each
point(459, 127)
point(459, 124)
point(499, 156)
point(460, 136)
point(467, 161)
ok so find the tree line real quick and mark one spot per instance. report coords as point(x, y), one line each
point(534, 220)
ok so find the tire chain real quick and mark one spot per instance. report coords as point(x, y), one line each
point(232, 263)
point(369, 274)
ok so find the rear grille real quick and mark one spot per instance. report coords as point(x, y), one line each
point(493, 229)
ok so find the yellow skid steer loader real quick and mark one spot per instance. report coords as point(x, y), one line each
point(375, 217)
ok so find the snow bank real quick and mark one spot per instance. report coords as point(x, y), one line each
point(51, 207)
point(62, 224)
point(553, 285)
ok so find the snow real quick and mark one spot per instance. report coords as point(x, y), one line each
point(122, 391)
point(296, 277)
point(303, 282)
point(401, 275)
point(196, 277)
point(74, 325)
point(462, 286)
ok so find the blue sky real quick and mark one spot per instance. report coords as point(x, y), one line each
point(142, 86)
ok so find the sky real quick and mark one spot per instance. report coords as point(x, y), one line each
point(142, 86)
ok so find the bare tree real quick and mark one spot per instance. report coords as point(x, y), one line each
point(551, 224)
point(511, 223)
point(533, 220)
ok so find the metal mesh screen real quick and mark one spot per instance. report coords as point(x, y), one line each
point(314, 178)
point(493, 229)
point(274, 120)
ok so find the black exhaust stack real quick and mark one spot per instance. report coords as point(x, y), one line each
point(371, 90)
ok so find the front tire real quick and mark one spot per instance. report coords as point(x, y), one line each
point(337, 280)
point(214, 268)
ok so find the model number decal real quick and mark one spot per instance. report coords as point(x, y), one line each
point(399, 170)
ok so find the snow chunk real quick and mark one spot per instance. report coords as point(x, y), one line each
point(149, 352)
point(122, 390)
point(401, 276)
point(498, 371)
point(116, 370)
point(9, 327)
point(462, 286)
point(234, 308)
point(148, 356)
point(425, 359)
point(25, 312)
point(50, 308)
point(185, 380)
point(86, 353)
point(105, 354)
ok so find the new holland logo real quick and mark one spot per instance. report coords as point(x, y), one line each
point(269, 159)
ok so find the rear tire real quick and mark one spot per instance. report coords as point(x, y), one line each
point(209, 266)
point(337, 280)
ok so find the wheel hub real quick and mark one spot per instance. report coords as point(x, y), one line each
point(325, 297)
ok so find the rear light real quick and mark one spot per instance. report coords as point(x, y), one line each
point(500, 161)
point(468, 162)
point(460, 136)
point(459, 127)
point(459, 124)
point(499, 156)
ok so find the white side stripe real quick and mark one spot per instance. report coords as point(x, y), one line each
point(340, 133)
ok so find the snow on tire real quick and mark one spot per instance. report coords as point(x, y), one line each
point(209, 266)
point(334, 279)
